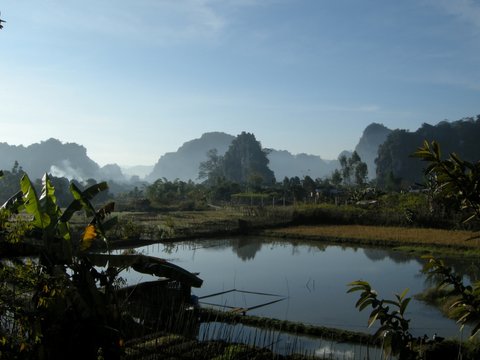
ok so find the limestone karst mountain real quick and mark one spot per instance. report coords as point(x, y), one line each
point(68, 160)
point(184, 163)
point(373, 136)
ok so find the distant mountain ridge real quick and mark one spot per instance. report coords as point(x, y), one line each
point(184, 163)
point(285, 164)
point(68, 160)
point(395, 163)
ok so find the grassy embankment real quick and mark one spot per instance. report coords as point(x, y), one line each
point(337, 224)
point(419, 240)
point(346, 225)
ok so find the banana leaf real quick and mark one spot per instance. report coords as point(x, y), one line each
point(147, 265)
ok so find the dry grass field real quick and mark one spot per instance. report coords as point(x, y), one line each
point(385, 236)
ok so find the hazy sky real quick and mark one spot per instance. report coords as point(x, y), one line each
point(131, 80)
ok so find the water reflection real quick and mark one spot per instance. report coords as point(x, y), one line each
point(246, 247)
point(284, 343)
point(312, 276)
point(376, 254)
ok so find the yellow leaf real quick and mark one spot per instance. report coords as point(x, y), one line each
point(23, 346)
point(88, 236)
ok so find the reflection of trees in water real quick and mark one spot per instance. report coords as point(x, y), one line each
point(311, 246)
point(175, 247)
point(398, 257)
point(246, 248)
point(466, 268)
point(375, 254)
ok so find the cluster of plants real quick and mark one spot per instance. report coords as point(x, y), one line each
point(457, 181)
point(61, 301)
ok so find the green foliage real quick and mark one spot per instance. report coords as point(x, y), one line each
point(453, 178)
point(246, 158)
point(63, 306)
point(457, 180)
point(176, 194)
point(466, 308)
point(212, 168)
point(353, 170)
point(9, 182)
point(394, 328)
point(245, 163)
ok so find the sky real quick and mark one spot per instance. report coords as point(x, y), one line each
point(131, 80)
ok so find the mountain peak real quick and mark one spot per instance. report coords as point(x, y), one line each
point(373, 136)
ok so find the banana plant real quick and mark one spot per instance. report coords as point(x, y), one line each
point(76, 289)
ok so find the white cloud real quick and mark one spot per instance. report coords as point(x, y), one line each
point(467, 11)
point(160, 21)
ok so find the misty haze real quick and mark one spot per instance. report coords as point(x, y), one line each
point(240, 179)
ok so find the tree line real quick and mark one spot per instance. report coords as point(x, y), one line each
point(242, 170)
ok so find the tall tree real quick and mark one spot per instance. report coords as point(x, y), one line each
point(246, 160)
point(353, 167)
point(211, 169)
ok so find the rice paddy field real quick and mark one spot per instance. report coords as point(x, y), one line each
point(384, 236)
point(172, 226)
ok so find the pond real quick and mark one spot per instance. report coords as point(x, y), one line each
point(309, 278)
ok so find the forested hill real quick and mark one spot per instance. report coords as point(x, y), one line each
point(367, 148)
point(394, 164)
point(60, 159)
point(184, 163)
point(395, 167)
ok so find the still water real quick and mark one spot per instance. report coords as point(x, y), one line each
point(311, 277)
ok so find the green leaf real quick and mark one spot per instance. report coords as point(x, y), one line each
point(84, 200)
point(14, 203)
point(32, 205)
point(105, 211)
point(355, 288)
point(475, 330)
point(72, 208)
point(50, 201)
point(404, 305)
point(90, 192)
point(373, 317)
point(147, 265)
point(470, 218)
point(403, 294)
point(366, 303)
point(63, 229)
point(363, 297)
point(464, 318)
point(362, 283)
point(436, 149)
point(110, 223)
